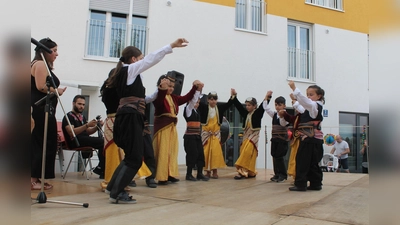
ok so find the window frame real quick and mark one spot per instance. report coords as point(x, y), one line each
point(247, 22)
point(310, 54)
point(325, 4)
point(107, 46)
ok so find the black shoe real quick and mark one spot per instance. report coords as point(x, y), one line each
point(295, 188)
point(251, 176)
point(132, 184)
point(123, 198)
point(280, 179)
point(98, 171)
point(274, 178)
point(190, 178)
point(165, 182)
point(314, 188)
point(238, 177)
point(151, 183)
point(202, 177)
point(172, 179)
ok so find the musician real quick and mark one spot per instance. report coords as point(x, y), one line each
point(83, 129)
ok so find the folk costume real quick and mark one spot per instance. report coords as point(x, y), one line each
point(211, 120)
point(112, 152)
point(294, 139)
point(310, 150)
point(129, 122)
point(165, 138)
point(192, 141)
point(279, 145)
point(246, 163)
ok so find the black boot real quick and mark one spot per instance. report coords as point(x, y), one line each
point(151, 164)
point(189, 175)
point(200, 175)
point(123, 178)
point(114, 176)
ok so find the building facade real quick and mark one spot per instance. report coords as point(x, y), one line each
point(252, 46)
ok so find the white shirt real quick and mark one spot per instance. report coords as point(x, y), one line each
point(271, 113)
point(148, 61)
point(341, 147)
point(191, 103)
point(307, 103)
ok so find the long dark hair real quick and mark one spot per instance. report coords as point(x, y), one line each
point(126, 58)
point(48, 43)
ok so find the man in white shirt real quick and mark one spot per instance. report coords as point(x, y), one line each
point(341, 150)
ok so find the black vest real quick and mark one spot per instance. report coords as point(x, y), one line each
point(110, 98)
point(135, 89)
point(305, 117)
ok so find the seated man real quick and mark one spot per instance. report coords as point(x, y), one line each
point(83, 129)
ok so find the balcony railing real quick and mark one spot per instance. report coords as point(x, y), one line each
point(107, 40)
point(250, 15)
point(301, 64)
point(332, 4)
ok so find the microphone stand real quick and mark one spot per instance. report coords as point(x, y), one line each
point(42, 198)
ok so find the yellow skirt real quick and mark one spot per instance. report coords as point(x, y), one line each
point(165, 144)
point(213, 154)
point(294, 146)
point(246, 163)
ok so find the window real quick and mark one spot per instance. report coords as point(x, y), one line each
point(251, 15)
point(109, 33)
point(300, 53)
point(332, 4)
point(353, 128)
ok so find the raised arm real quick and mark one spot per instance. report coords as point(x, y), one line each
point(266, 106)
point(242, 111)
point(152, 59)
point(189, 108)
point(307, 103)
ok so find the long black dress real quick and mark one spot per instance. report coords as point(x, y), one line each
point(38, 115)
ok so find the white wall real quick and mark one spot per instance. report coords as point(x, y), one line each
point(217, 55)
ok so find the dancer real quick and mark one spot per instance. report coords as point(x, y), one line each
point(310, 150)
point(165, 138)
point(279, 139)
point(129, 121)
point(211, 116)
point(113, 154)
point(294, 139)
point(252, 115)
point(192, 140)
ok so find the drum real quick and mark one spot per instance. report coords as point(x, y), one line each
point(224, 131)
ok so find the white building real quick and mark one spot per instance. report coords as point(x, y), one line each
point(232, 45)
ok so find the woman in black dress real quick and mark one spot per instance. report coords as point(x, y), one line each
point(39, 90)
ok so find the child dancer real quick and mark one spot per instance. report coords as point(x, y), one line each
point(129, 122)
point(310, 150)
point(192, 140)
point(246, 163)
point(279, 139)
point(165, 139)
point(294, 139)
point(211, 116)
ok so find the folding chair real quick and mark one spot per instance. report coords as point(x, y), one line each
point(78, 150)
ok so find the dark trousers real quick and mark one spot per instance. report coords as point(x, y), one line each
point(308, 156)
point(96, 143)
point(194, 151)
point(148, 156)
point(128, 134)
point(279, 149)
